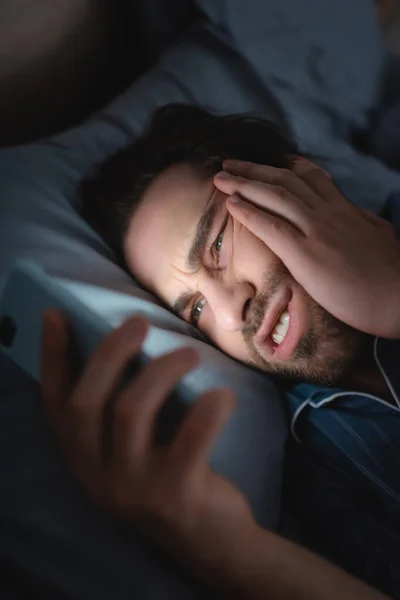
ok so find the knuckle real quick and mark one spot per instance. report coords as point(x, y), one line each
point(314, 228)
point(252, 169)
point(247, 213)
point(277, 226)
point(241, 183)
point(322, 232)
point(284, 176)
point(280, 192)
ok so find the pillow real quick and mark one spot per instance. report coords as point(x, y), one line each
point(326, 72)
point(39, 220)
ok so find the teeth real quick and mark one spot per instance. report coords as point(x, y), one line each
point(281, 328)
point(277, 338)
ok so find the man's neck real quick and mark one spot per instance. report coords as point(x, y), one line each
point(367, 378)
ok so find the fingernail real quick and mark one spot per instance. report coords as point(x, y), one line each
point(233, 199)
point(223, 175)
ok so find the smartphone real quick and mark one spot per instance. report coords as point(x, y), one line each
point(28, 292)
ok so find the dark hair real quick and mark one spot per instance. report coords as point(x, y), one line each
point(177, 133)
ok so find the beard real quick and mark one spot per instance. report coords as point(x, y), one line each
point(327, 353)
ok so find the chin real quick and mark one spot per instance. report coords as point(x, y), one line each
point(320, 349)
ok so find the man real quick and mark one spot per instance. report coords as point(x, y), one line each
point(280, 271)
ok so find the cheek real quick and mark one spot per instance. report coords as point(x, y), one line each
point(252, 261)
point(232, 344)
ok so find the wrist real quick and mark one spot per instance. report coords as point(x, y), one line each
point(264, 565)
point(228, 569)
point(241, 569)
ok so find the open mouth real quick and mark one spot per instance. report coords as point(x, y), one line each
point(284, 324)
point(276, 331)
point(281, 328)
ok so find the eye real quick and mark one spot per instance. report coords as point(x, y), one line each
point(196, 311)
point(217, 245)
point(218, 242)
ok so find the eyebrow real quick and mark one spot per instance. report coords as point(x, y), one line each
point(201, 236)
point(196, 252)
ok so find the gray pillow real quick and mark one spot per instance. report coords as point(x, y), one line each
point(323, 62)
point(39, 220)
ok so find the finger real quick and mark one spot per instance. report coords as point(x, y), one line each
point(281, 237)
point(97, 384)
point(261, 192)
point(271, 198)
point(136, 409)
point(318, 180)
point(241, 167)
point(284, 178)
point(55, 372)
point(267, 226)
point(199, 432)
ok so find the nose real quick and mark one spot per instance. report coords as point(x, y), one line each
point(229, 303)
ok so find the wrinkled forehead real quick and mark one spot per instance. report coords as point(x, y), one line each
point(163, 226)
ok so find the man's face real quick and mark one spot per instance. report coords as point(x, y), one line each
point(184, 246)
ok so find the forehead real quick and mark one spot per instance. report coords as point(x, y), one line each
point(163, 227)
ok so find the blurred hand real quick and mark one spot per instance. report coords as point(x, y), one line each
point(167, 492)
point(347, 259)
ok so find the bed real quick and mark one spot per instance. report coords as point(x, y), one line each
point(288, 61)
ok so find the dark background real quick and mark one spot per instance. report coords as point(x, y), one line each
point(61, 60)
